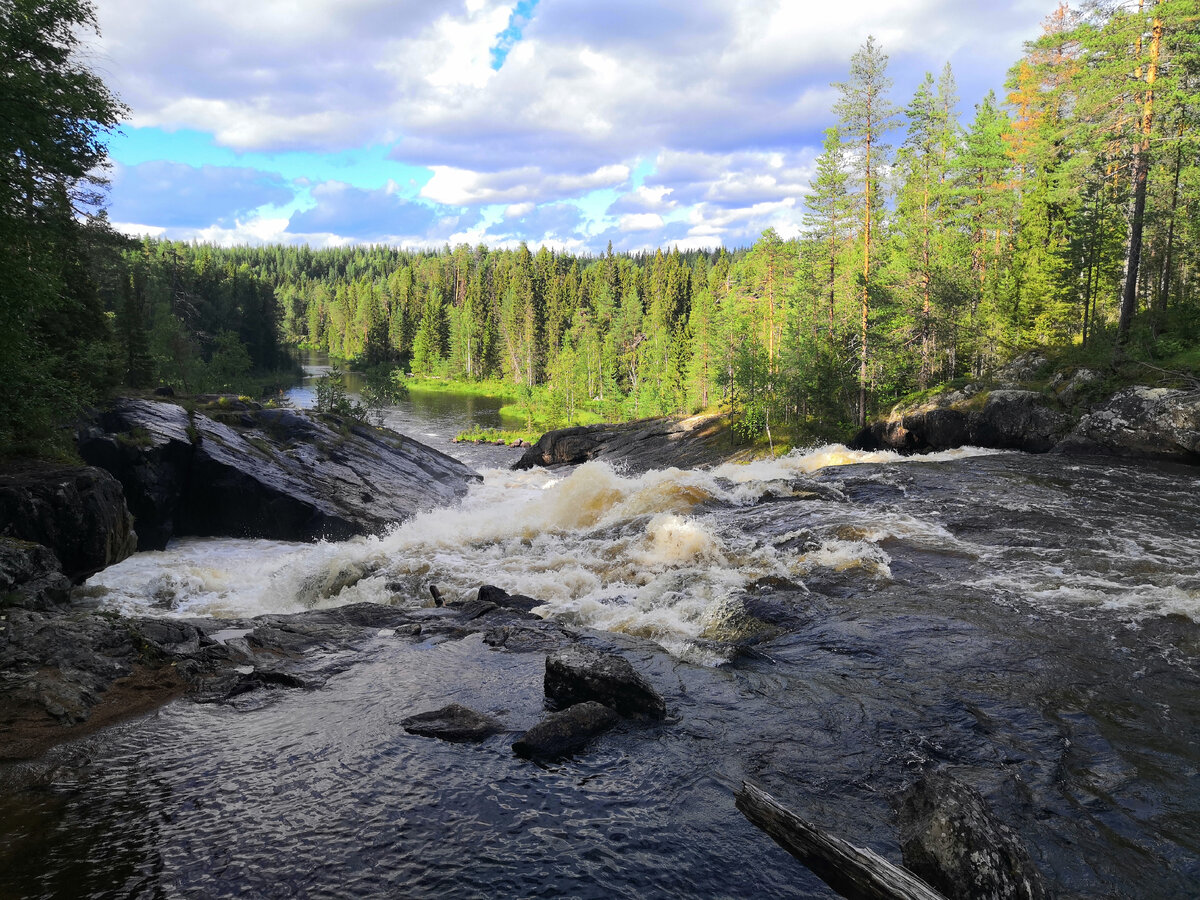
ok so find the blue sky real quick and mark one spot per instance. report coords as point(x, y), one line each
point(568, 123)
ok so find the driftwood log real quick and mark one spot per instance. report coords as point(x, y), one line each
point(854, 872)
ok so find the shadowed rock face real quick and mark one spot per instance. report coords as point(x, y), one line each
point(77, 512)
point(638, 446)
point(279, 474)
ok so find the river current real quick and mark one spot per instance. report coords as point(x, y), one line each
point(1028, 623)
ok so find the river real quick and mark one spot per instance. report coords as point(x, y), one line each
point(1029, 623)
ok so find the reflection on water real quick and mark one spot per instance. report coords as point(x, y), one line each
point(432, 417)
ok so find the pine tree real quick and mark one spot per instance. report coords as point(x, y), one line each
point(866, 115)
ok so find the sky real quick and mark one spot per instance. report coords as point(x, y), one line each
point(564, 123)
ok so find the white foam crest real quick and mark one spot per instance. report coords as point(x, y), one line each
point(801, 461)
point(841, 555)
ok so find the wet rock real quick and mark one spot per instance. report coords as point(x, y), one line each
point(31, 576)
point(565, 732)
point(78, 512)
point(638, 446)
point(577, 674)
point(1150, 423)
point(489, 593)
point(267, 473)
point(525, 638)
point(454, 723)
point(952, 840)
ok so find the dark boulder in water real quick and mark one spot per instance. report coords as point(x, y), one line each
point(489, 593)
point(952, 840)
point(565, 732)
point(577, 674)
point(455, 723)
point(265, 473)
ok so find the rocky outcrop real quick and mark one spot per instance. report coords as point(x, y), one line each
point(950, 839)
point(77, 512)
point(266, 473)
point(638, 446)
point(31, 576)
point(565, 732)
point(455, 723)
point(1151, 423)
point(577, 674)
point(1005, 418)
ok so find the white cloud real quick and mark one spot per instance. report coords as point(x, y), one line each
point(640, 222)
point(463, 187)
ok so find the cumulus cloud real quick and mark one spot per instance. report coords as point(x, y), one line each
point(729, 98)
point(463, 187)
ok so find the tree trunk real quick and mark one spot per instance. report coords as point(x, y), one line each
point(1141, 167)
point(854, 872)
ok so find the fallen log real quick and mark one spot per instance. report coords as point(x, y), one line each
point(854, 872)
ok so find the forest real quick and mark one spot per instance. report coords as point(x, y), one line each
point(1061, 214)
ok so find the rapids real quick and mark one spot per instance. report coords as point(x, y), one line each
point(1028, 622)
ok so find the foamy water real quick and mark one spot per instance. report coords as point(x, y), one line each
point(660, 555)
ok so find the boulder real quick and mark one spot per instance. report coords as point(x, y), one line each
point(637, 446)
point(562, 733)
point(1145, 422)
point(577, 674)
point(1017, 420)
point(489, 593)
point(1006, 418)
point(455, 723)
point(265, 473)
point(31, 576)
point(950, 838)
point(77, 511)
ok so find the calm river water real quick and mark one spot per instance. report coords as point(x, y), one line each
point(1029, 623)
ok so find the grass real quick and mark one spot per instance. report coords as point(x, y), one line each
point(492, 435)
point(501, 390)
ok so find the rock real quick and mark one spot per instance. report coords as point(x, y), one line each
point(489, 593)
point(1025, 367)
point(638, 446)
point(950, 838)
point(1070, 390)
point(31, 576)
point(1017, 420)
point(568, 731)
point(577, 674)
point(454, 723)
point(78, 512)
point(273, 473)
point(1150, 423)
point(1006, 419)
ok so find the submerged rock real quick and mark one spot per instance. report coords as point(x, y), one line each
point(454, 723)
point(577, 674)
point(565, 732)
point(266, 473)
point(77, 511)
point(950, 838)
